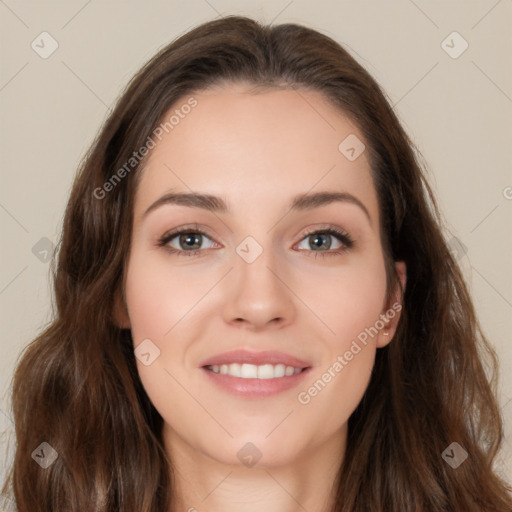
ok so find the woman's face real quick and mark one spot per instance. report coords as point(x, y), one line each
point(257, 295)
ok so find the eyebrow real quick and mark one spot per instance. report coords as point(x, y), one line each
point(301, 202)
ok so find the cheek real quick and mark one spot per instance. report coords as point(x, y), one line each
point(348, 299)
point(350, 306)
point(160, 296)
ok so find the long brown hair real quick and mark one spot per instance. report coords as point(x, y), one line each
point(76, 386)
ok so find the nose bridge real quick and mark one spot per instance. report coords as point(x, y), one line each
point(258, 295)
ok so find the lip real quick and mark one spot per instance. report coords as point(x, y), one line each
point(257, 358)
point(255, 388)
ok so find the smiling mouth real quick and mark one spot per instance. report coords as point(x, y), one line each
point(252, 371)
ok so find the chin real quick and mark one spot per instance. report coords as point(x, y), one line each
point(258, 450)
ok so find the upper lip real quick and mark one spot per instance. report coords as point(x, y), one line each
point(256, 358)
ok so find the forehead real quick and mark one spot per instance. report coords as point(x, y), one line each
point(256, 149)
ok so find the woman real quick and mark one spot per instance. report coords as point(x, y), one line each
point(252, 374)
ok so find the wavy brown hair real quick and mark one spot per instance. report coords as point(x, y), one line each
point(76, 385)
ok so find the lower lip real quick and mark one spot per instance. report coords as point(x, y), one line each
point(256, 388)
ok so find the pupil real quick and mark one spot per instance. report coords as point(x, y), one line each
point(319, 237)
point(188, 238)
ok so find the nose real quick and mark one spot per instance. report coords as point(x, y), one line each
point(258, 295)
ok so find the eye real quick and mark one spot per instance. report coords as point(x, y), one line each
point(188, 241)
point(321, 238)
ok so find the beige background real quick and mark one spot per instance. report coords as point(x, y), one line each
point(458, 110)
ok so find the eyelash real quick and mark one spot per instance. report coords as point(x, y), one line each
point(341, 235)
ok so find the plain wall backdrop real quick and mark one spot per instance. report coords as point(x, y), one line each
point(452, 92)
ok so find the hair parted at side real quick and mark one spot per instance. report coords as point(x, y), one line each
point(76, 385)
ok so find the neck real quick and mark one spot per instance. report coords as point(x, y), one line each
point(306, 483)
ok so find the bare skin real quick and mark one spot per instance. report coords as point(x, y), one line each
point(257, 152)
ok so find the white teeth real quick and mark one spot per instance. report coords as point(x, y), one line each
point(266, 371)
point(252, 371)
point(234, 369)
point(279, 370)
point(249, 371)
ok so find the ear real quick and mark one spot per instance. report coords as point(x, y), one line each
point(391, 314)
point(120, 311)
